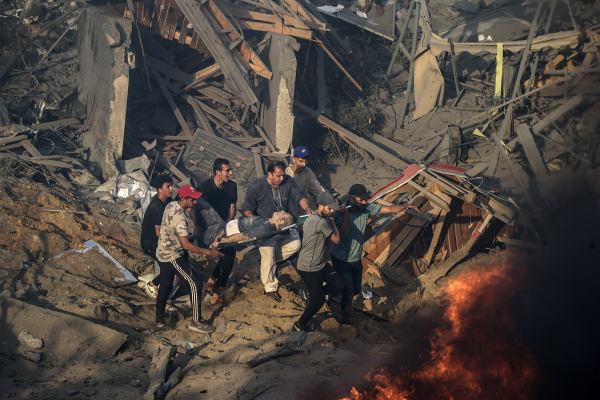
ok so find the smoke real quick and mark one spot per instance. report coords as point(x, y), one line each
point(557, 312)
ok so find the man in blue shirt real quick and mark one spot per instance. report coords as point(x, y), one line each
point(266, 196)
point(346, 255)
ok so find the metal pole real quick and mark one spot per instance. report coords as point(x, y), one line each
point(539, 53)
point(410, 8)
point(453, 58)
point(411, 73)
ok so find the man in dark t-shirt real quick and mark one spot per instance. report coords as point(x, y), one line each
point(151, 225)
point(221, 193)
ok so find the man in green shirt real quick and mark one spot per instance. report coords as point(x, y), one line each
point(346, 255)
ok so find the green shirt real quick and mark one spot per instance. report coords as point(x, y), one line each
point(350, 248)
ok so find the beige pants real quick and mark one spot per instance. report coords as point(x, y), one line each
point(276, 249)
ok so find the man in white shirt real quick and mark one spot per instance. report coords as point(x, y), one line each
point(304, 177)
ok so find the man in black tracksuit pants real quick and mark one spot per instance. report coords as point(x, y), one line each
point(312, 267)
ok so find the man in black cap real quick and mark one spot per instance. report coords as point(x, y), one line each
point(346, 255)
point(313, 269)
point(304, 177)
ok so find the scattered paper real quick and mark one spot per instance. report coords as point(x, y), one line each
point(127, 276)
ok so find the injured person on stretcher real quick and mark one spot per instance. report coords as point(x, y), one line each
point(212, 231)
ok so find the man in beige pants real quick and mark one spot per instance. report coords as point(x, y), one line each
point(265, 196)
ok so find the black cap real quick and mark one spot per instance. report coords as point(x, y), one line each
point(359, 191)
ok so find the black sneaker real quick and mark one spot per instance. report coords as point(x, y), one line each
point(297, 327)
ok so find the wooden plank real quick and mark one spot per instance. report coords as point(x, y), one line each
point(491, 170)
point(533, 154)
point(444, 185)
point(163, 88)
point(198, 112)
point(393, 147)
point(245, 50)
point(432, 197)
point(320, 80)
point(340, 66)
point(436, 237)
point(461, 253)
point(268, 27)
point(31, 148)
point(478, 169)
point(184, 30)
point(235, 79)
point(266, 138)
point(458, 223)
point(558, 113)
point(61, 123)
point(363, 143)
point(397, 254)
point(314, 12)
point(384, 256)
point(207, 71)
point(18, 138)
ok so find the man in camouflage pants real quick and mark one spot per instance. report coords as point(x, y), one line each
point(172, 254)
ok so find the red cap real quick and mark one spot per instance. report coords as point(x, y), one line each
point(188, 191)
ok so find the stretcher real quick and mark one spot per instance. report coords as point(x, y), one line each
point(298, 222)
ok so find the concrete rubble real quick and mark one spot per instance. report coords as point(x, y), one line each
point(473, 111)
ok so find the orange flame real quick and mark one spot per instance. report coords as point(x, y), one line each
point(475, 355)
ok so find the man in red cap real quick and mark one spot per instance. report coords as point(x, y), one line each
point(172, 254)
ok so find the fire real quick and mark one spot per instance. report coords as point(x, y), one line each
point(475, 354)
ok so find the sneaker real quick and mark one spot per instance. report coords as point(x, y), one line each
point(151, 290)
point(201, 327)
point(297, 327)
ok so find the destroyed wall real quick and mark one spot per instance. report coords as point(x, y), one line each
point(103, 41)
point(278, 100)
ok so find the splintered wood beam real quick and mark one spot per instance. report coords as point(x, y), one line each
point(363, 143)
point(267, 27)
point(436, 237)
point(202, 26)
point(531, 151)
point(340, 66)
point(163, 88)
point(432, 197)
point(245, 50)
point(208, 71)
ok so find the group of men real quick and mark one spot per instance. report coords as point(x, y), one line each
point(206, 216)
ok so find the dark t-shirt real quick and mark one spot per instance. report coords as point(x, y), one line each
point(220, 199)
point(152, 217)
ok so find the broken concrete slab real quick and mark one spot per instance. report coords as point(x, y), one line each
point(65, 336)
point(104, 84)
point(279, 98)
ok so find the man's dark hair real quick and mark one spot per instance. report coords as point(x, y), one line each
point(218, 164)
point(276, 164)
point(161, 179)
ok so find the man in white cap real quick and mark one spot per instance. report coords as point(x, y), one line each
point(304, 177)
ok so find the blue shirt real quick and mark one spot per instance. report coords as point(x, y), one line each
point(260, 196)
point(350, 248)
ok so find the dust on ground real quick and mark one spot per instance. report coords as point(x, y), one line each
point(83, 285)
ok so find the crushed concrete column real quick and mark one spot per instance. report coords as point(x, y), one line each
point(279, 98)
point(103, 41)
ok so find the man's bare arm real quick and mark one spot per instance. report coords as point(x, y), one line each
point(335, 237)
point(305, 205)
point(189, 246)
point(231, 212)
point(157, 230)
point(395, 209)
point(248, 213)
